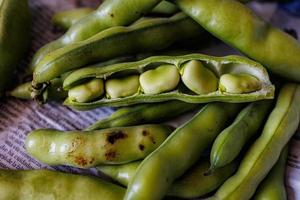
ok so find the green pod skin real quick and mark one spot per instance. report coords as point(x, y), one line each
point(238, 26)
point(109, 14)
point(89, 149)
point(158, 171)
point(263, 154)
point(165, 8)
point(218, 65)
point(14, 38)
point(192, 184)
point(231, 140)
point(144, 114)
point(65, 19)
point(22, 91)
point(273, 188)
point(45, 185)
point(123, 174)
point(145, 36)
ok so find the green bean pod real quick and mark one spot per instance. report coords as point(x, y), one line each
point(14, 38)
point(165, 8)
point(45, 185)
point(122, 174)
point(263, 154)
point(215, 66)
point(67, 18)
point(145, 36)
point(192, 184)
point(109, 14)
point(238, 26)
point(53, 90)
point(273, 186)
point(144, 114)
point(231, 140)
point(91, 148)
point(179, 152)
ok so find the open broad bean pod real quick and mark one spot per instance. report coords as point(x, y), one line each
point(193, 78)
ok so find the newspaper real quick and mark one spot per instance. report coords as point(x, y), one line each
point(18, 118)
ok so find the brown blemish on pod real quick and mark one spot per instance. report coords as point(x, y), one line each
point(145, 133)
point(76, 142)
point(141, 147)
point(110, 155)
point(115, 136)
point(80, 160)
point(148, 134)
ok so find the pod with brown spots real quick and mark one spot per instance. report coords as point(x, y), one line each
point(91, 148)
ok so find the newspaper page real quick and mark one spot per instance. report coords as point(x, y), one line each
point(18, 118)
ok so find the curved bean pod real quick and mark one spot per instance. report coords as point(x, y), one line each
point(14, 38)
point(218, 65)
point(109, 14)
point(123, 174)
point(65, 19)
point(158, 171)
point(144, 114)
point(192, 184)
point(231, 140)
point(263, 154)
point(45, 185)
point(53, 91)
point(88, 149)
point(273, 186)
point(165, 8)
point(238, 26)
point(145, 36)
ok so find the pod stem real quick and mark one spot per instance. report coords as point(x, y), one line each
point(38, 92)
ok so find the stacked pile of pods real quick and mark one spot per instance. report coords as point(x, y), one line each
point(118, 55)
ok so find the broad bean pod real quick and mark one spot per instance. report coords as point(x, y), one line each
point(45, 185)
point(212, 67)
point(164, 8)
point(238, 26)
point(147, 35)
point(144, 114)
point(91, 148)
point(194, 183)
point(14, 38)
point(179, 152)
point(273, 186)
point(231, 140)
point(109, 14)
point(67, 18)
point(263, 154)
point(54, 91)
